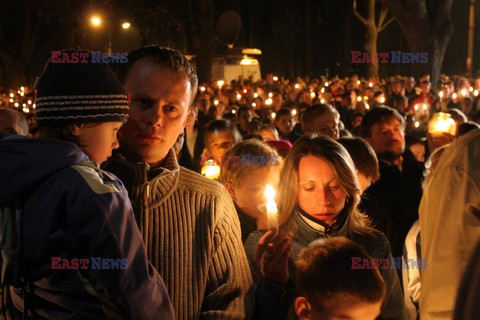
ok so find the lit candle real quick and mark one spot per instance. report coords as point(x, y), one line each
point(270, 94)
point(464, 92)
point(442, 123)
point(211, 170)
point(359, 98)
point(294, 112)
point(272, 211)
point(475, 93)
point(312, 94)
point(220, 83)
point(274, 115)
point(215, 102)
point(322, 90)
point(239, 96)
point(297, 86)
point(440, 94)
point(275, 78)
point(454, 96)
point(382, 99)
point(322, 100)
point(202, 89)
point(268, 101)
point(370, 84)
point(255, 95)
point(326, 83)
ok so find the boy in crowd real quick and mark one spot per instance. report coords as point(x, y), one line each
point(284, 124)
point(330, 289)
point(246, 179)
point(220, 136)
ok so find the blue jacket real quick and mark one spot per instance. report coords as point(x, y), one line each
point(74, 210)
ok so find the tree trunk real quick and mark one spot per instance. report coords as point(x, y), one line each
point(371, 48)
point(425, 32)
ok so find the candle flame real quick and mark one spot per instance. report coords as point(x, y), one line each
point(271, 206)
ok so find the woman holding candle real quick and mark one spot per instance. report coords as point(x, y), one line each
point(318, 196)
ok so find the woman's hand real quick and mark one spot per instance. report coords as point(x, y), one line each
point(272, 255)
point(436, 142)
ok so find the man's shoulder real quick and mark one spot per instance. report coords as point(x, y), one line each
point(194, 182)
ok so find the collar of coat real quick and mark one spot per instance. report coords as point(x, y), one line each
point(157, 184)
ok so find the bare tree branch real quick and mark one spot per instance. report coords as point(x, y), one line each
point(380, 29)
point(358, 15)
point(383, 15)
point(443, 13)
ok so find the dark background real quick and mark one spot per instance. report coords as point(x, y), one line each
point(297, 37)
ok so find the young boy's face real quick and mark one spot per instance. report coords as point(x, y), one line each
point(285, 123)
point(219, 143)
point(250, 192)
point(98, 140)
point(337, 310)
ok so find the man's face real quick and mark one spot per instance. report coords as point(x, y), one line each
point(159, 107)
point(244, 119)
point(387, 138)
point(326, 125)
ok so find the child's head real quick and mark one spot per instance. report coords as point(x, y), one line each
point(246, 180)
point(417, 146)
point(284, 120)
point(329, 288)
point(220, 136)
point(83, 103)
point(268, 132)
point(364, 158)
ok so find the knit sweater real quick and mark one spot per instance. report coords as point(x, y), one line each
point(192, 236)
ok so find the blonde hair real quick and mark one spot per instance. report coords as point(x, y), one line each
point(326, 148)
point(234, 172)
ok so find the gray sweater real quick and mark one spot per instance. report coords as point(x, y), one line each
point(192, 235)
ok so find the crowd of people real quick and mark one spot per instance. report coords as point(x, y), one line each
point(371, 170)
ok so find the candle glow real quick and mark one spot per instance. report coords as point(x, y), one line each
point(211, 170)
point(442, 123)
point(272, 211)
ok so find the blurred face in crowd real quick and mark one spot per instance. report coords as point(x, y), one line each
point(357, 121)
point(97, 140)
point(337, 309)
point(397, 87)
point(425, 86)
point(326, 125)
point(159, 107)
point(11, 122)
point(219, 143)
point(284, 123)
point(268, 134)
point(277, 102)
point(244, 118)
point(319, 191)
point(250, 192)
point(387, 138)
point(410, 83)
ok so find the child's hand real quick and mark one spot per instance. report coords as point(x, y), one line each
point(272, 255)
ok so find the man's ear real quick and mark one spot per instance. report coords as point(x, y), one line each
point(185, 121)
point(302, 308)
point(231, 190)
point(188, 119)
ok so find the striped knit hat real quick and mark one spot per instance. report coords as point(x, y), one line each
point(70, 93)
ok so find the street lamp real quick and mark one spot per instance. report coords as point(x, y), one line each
point(96, 22)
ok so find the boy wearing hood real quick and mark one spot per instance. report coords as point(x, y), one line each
point(72, 210)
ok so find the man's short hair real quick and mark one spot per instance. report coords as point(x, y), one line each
point(363, 156)
point(376, 116)
point(242, 109)
point(221, 125)
point(317, 111)
point(324, 271)
point(166, 58)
